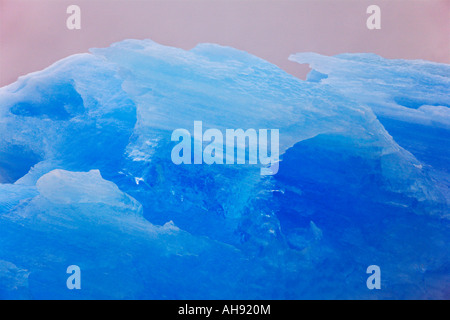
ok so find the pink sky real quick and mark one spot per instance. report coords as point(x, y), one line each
point(33, 33)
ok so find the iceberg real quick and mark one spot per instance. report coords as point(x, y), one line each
point(86, 178)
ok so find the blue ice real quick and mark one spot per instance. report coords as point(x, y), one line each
point(86, 177)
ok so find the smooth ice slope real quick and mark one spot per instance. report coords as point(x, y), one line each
point(88, 180)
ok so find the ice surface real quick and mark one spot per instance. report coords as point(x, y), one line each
point(87, 177)
point(408, 90)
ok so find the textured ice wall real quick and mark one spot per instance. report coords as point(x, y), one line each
point(88, 180)
point(414, 91)
point(410, 98)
